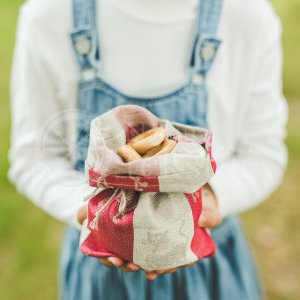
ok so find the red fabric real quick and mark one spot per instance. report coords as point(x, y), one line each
point(98, 179)
point(202, 244)
point(116, 235)
point(207, 145)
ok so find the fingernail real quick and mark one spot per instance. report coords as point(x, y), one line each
point(202, 220)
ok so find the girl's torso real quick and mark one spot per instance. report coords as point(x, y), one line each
point(185, 104)
point(159, 77)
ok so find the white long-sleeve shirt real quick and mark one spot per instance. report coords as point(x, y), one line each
point(145, 46)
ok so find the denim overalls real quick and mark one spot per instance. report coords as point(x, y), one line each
point(230, 274)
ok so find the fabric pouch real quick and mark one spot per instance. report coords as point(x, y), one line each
point(146, 211)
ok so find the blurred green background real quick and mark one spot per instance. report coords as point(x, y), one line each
point(30, 240)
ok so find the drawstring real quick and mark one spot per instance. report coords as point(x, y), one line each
point(123, 203)
point(98, 189)
point(94, 193)
point(117, 193)
point(94, 223)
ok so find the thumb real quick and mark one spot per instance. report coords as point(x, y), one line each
point(209, 219)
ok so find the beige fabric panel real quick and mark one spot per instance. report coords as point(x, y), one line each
point(162, 232)
point(191, 169)
point(105, 130)
point(111, 130)
point(171, 130)
point(194, 132)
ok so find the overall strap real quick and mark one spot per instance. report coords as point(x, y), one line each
point(84, 36)
point(205, 44)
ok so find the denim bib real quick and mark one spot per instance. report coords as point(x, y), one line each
point(187, 104)
point(231, 273)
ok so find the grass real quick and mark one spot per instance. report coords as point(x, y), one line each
point(30, 240)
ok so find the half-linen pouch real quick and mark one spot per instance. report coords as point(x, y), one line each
point(146, 211)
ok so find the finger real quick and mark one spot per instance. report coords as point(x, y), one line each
point(116, 261)
point(168, 271)
point(125, 268)
point(105, 262)
point(133, 267)
point(129, 267)
point(209, 219)
point(151, 275)
point(190, 265)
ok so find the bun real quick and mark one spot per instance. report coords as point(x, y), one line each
point(166, 147)
point(148, 140)
point(128, 153)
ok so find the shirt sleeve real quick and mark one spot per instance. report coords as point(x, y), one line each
point(40, 163)
point(260, 158)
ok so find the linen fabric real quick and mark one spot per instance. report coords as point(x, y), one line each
point(186, 169)
point(146, 211)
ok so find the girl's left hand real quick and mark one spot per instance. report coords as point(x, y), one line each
point(210, 217)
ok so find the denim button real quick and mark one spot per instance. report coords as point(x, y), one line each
point(208, 52)
point(83, 45)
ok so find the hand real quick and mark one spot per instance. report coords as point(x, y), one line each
point(108, 261)
point(210, 216)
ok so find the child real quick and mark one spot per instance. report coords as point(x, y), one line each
point(162, 55)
